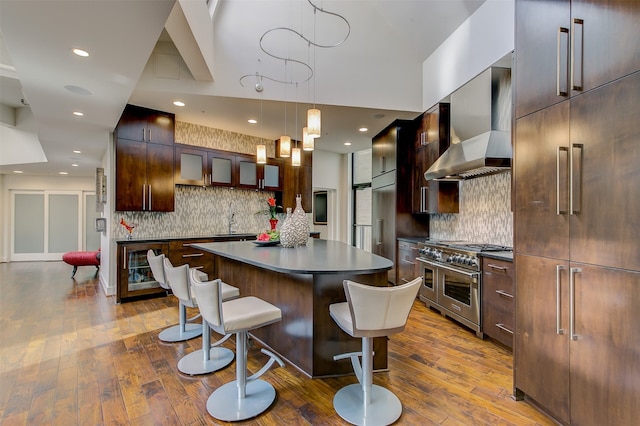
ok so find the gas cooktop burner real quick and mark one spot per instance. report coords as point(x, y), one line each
point(481, 247)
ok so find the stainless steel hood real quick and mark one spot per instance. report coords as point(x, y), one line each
point(484, 154)
point(481, 113)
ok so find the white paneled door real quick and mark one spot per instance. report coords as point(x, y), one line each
point(47, 224)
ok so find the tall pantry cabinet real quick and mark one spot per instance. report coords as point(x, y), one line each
point(391, 191)
point(577, 209)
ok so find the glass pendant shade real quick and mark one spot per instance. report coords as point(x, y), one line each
point(307, 141)
point(295, 157)
point(285, 146)
point(261, 154)
point(313, 122)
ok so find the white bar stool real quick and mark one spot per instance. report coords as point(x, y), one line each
point(370, 312)
point(184, 330)
point(245, 397)
point(211, 357)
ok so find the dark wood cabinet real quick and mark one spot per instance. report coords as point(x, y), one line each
point(145, 160)
point(204, 167)
point(576, 226)
point(541, 345)
point(266, 177)
point(146, 125)
point(498, 318)
point(432, 140)
point(407, 269)
point(134, 275)
point(569, 47)
point(297, 180)
point(144, 176)
point(392, 191)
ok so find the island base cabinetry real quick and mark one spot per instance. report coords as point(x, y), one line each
point(306, 337)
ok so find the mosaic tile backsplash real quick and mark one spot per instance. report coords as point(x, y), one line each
point(206, 211)
point(485, 213)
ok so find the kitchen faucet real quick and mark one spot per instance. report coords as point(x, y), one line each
point(232, 221)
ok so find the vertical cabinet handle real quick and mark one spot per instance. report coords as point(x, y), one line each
point(577, 52)
point(144, 134)
point(559, 210)
point(149, 133)
point(379, 242)
point(572, 302)
point(124, 258)
point(144, 196)
point(559, 329)
point(575, 191)
point(150, 198)
point(562, 63)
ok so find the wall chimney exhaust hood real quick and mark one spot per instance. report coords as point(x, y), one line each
point(481, 115)
point(481, 155)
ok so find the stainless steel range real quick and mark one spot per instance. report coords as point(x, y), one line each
point(452, 279)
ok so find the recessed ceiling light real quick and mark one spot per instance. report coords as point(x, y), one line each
point(78, 113)
point(74, 165)
point(75, 151)
point(18, 171)
point(362, 129)
point(63, 173)
point(80, 52)
point(347, 143)
point(252, 121)
point(178, 103)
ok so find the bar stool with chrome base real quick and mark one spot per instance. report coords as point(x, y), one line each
point(184, 330)
point(245, 397)
point(211, 357)
point(370, 312)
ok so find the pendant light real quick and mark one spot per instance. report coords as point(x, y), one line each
point(295, 157)
point(261, 154)
point(261, 150)
point(307, 141)
point(285, 146)
point(313, 122)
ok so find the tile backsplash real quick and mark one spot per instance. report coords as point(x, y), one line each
point(205, 211)
point(485, 213)
point(201, 212)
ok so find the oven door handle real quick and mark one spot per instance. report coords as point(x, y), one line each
point(472, 275)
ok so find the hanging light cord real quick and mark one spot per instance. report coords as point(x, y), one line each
point(310, 42)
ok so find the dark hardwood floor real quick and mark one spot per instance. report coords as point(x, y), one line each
point(70, 355)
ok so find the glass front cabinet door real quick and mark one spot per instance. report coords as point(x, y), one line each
point(134, 274)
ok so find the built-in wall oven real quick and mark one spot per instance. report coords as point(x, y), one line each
point(452, 279)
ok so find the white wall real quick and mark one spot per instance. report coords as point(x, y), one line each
point(487, 36)
point(330, 173)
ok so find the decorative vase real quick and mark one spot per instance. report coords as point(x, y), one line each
point(274, 223)
point(300, 223)
point(287, 236)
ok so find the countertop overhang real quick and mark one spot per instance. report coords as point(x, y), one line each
point(317, 257)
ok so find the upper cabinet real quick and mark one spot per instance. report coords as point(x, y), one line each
point(146, 125)
point(383, 153)
point(144, 161)
point(251, 175)
point(431, 140)
point(297, 180)
point(572, 47)
point(204, 167)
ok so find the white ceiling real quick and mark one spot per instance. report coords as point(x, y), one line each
point(372, 78)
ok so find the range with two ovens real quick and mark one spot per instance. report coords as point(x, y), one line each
point(453, 278)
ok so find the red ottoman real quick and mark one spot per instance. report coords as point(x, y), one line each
point(82, 258)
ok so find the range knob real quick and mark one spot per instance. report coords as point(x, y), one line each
point(473, 261)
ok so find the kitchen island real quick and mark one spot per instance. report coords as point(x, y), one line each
point(303, 282)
